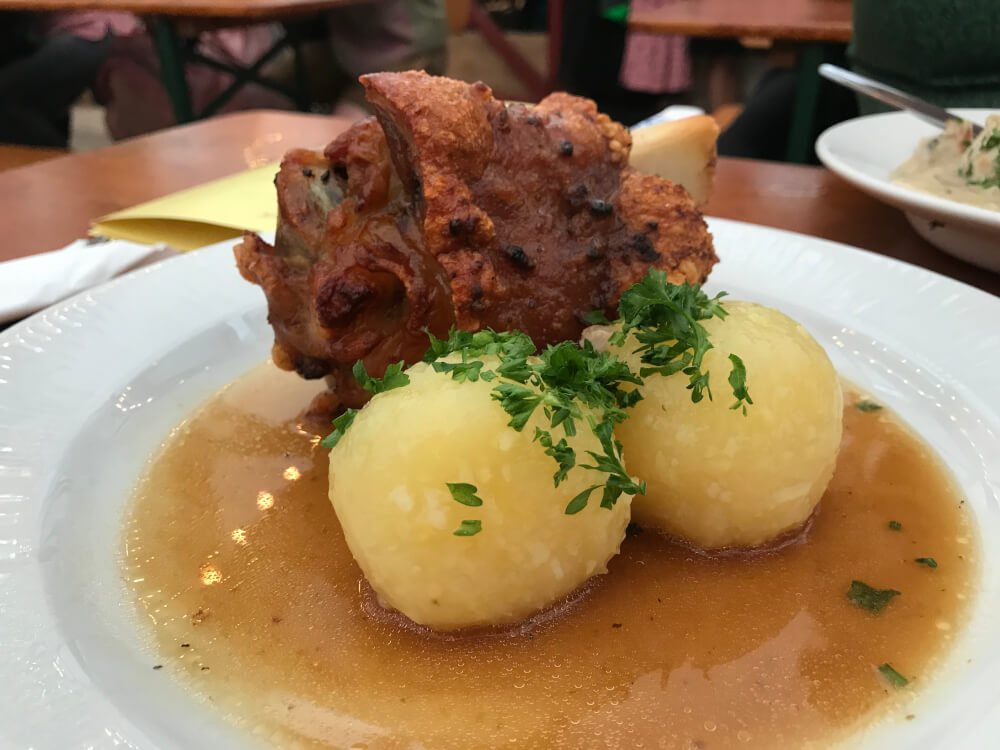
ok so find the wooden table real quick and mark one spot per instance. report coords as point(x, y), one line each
point(176, 49)
point(246, 10)
point(812, 23)
point(18, 156)
point(794, 20)
point(49, 204)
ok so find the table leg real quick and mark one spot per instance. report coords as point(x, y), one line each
point(533, 81)
point(169, 47)
point(302, 97)
point(806, 101)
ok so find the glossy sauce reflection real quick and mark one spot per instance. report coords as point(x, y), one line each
point(238, 562)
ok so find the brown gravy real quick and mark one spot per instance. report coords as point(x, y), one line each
point(237, 561)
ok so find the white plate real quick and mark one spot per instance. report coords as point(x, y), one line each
point(866, 149)
point(90, 387)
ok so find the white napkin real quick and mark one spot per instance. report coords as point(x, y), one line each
point(29, 284)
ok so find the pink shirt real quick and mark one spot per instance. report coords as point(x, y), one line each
point(655, 63)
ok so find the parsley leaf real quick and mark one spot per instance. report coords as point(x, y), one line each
point(462, 371)
point(895, 525)
point(738, 382)
point(619, 482)
point(596, 318)
point(564, 455)
point(579, 502)
point(518, 401)
point(894, 677)
point(464, 493)
point(992, 140)
point(866, 597)
point(930, 562)
point(867, 406)
point(394, 378)
point(468, 528)
point(340, 425)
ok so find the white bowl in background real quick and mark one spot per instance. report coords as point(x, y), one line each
point(865, 150)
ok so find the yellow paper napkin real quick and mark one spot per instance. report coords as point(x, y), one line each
point(201, 215)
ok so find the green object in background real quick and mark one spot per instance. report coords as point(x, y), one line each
point(945, 52)
point(807, 85)
point(615, 11)
point(170, 48)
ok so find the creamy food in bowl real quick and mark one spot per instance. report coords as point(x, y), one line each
point(956, 165)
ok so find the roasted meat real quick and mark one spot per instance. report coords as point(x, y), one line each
point(450, 209)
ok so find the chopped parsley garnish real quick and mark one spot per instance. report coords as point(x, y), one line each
point(866, 597)
point(561, 452)
point(563, 381)
point(462, 371)
point(340, 425)
point(468, 528)
point(394, 378)
point(571, 386)
point(664, 319)
point(992, 140)
point(893, 676)
point(738, 382)
point(895, 525)
point(930, 562)
point(618, 482)
point(464, 494)
point(989, 142)
point(479, 344)
point(867, 406)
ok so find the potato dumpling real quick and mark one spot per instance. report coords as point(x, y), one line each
point(718, 478)
point(388, 485)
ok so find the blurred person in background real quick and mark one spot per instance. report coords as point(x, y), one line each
point(947, 52)
point(46, 62)
point(594, 43)
point(340, 45)
point(385, 35)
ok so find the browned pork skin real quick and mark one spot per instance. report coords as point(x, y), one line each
point(453, 209)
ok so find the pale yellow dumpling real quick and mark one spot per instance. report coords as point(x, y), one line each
point(718, 478)
point(388, 485)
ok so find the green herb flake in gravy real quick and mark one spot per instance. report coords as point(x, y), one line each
point(867, 406)
point(893, 676)
point(872, 599)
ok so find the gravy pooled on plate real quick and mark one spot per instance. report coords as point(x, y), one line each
point(237, 559)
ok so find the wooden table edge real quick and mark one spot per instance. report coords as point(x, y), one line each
point(176, 11)
point(647, 22)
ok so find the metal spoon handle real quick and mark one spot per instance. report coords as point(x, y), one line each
point(894, 97)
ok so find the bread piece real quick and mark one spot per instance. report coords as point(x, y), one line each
point(682, 151)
